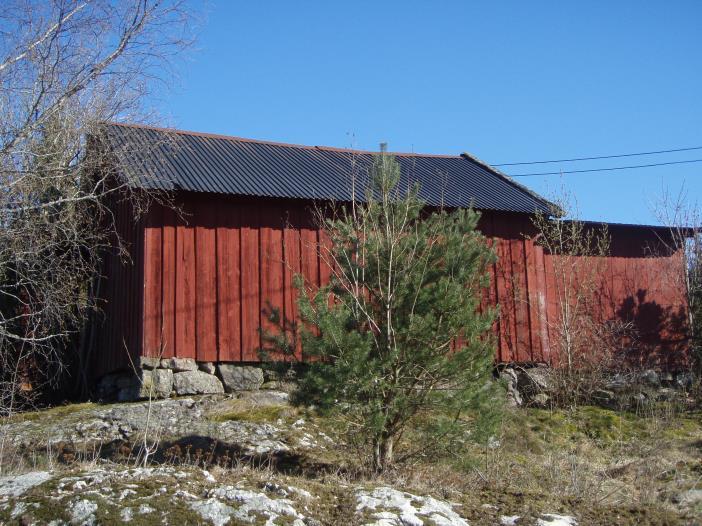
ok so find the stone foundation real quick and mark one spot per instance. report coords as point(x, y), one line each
point(533, 385)
point(162, 378)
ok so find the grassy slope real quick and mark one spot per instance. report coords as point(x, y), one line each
point(602, 466)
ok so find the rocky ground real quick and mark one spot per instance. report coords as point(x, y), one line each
point(249, 458)
point(103, 494)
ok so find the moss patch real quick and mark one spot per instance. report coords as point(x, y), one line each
point(259, 414)
point(61, 411)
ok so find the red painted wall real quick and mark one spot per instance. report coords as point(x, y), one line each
point(211, 269)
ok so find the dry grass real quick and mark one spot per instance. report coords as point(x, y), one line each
point(603, 466)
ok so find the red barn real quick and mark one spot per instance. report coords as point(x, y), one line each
point(200, 278)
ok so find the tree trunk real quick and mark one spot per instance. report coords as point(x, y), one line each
point(383, 453)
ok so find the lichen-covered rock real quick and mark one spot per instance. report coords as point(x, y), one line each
point(150, 384)
point(178, 365)
point(509, 377)
point(393, 507)
point(534, 380)
point(690, 498)
point(651, 378)
point(196, 382)
point(240, 377)
point(250, 504)
point(149, 362)
point(605, 398)
point(83, 513)
point(553, 519)
point(16, 485)
point(162, 380)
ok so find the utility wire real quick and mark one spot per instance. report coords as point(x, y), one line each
point(607, 169)
point(602, 157)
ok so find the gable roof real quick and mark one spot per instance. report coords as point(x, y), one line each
point(163, 159)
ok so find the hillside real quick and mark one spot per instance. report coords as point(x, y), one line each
point(253, 459)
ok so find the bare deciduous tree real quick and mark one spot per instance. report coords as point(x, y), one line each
point(585, 344)
point(684, 221)
point(66, 67)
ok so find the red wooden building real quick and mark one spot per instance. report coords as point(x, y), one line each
point(200, 278)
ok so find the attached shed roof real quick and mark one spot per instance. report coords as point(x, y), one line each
point(156, 158)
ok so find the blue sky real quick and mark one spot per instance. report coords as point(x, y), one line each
point(506, 81)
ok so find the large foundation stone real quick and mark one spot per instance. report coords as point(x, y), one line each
point(240, 377)
point(196, 382)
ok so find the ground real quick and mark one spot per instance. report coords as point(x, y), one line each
point(253, 459)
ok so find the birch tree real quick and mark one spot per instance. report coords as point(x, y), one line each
point(66, 67)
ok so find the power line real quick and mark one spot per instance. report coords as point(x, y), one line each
point(602, 157)
point(607, 169)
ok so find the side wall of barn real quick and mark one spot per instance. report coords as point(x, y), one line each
point(118, 323)
point(212, 271)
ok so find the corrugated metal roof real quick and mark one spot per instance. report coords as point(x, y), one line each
point(155, 158)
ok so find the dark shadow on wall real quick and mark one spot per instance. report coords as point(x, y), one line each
point(661, 332)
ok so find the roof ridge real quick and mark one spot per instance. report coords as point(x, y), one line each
point(500, 173)
point(276, 143)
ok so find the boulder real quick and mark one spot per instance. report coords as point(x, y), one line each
point(618, 383)
point(509, 377)
point(651, 377)
point(534, 381)
point(149, 362)
point(666, 394)
point(178, 365)
point(667, 378)
point(157, 383)
point(684, 381)
point(240, 377)
point(539, 400)
point(196, 382)
point(207, 367)
point(604, 398)
point(162, 382)
point(689, 498)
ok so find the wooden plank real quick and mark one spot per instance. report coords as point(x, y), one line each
point(309, 260)
point(552, 311)
point(542, 310)
point(325, 260)
point(272, 268)
point(250, 283)
point(229, 283)
point(503, 271)
point(169, 282)
point(185, 290)
point(536, 351)
point(520, 291)
point(152, 285)
point(205, 283)
point(292, 267)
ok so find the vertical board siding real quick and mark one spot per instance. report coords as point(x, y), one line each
point(168, 280)
point(521, 294)
point(211, 274)
point(153, 290)
point(229, 284)
point(292, 267)
point(272, 268)
point(205, 284)
point(185, 290)
point(116, 334)
point(250, 282)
